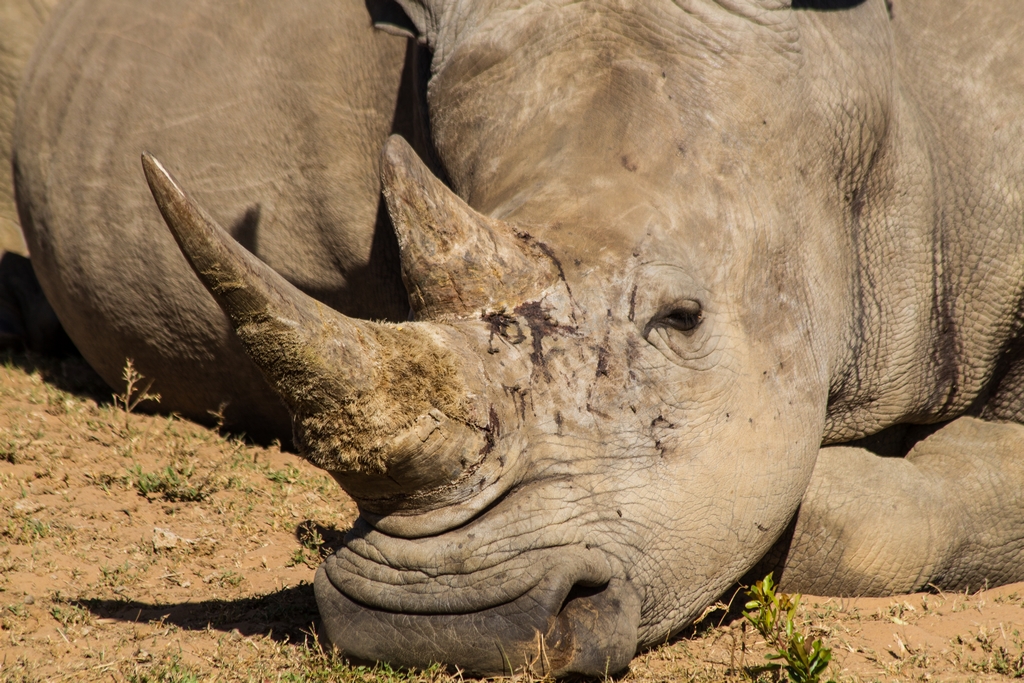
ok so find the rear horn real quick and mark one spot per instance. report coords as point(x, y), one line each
point(456, 262)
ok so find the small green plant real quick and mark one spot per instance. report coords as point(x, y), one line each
point(18, 610)
point(981, 653)
point(302, 555)
point(9, 451)
point(8, 564)
point(314, 547)
point(69, 614)
point(134, 393)
point(310, 537)
point(773, 614)
point(120, 576)
point(228, 578)
point(25, 530)
point(170, 669)
point(289, 475)
point(173, 483)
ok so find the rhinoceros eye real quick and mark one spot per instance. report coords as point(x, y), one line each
point(684, 317)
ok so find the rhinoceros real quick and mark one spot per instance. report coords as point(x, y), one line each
point(663, 293)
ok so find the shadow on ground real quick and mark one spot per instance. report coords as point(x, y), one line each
point(326, 540)
point(70, 373)
point(287, 615)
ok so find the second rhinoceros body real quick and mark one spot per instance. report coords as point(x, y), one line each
point(693, 268)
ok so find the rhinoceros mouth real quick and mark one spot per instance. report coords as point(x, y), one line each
point(566, 622)
point(505, 592)
point(471, 585)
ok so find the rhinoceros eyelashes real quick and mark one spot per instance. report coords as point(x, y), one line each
point(685, 317)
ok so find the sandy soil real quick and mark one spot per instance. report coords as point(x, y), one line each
point(148, 548)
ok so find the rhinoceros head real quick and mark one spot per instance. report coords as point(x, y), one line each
point(609, 398)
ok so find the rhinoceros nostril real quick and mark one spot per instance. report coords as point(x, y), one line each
point(581, 591)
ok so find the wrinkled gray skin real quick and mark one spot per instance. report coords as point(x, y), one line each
point(26, 320)
point(22, 21)
point(706, 238)
point(278, 112)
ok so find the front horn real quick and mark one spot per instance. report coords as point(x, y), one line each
point(384, 408)
point(456, 262)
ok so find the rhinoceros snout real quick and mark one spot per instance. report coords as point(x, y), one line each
point(564, 624)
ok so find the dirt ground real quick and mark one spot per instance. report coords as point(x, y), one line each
point(149, 548)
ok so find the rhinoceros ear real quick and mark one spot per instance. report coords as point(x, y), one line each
point(389, 17)
point(456, 262)
point(419, 15)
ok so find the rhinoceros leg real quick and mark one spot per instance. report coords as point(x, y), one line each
point(949, 514)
